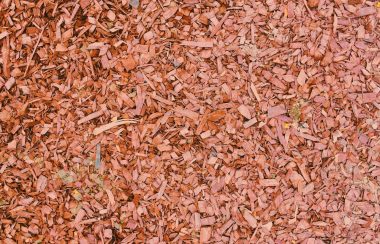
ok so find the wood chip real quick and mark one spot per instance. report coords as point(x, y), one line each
point(220, 23)
point(204, 44)
point(170, 12)
point(84, 3)
point(189, 121)
point(250, 219)
point(162, 190)
point(129, 63)
point(10, 83)
point(313, 3)
point(111, 197)
point(3, 34)
point(111, 125)
point(187, 113)
point(276, 111)
point(41, 183)
point(250, 122)
point(95, 45)
point(205, 235)
point(90, 117)
point(366, 11)
point(269, 182)
point(254, 90)
point(301, 79)
point(244, 111)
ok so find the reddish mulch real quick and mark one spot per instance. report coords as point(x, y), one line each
point(188, 121)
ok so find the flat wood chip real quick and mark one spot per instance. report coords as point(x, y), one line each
point(111, 125)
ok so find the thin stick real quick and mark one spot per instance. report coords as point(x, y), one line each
point(34, 50)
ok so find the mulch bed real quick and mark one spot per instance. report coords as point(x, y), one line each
point(190, 121)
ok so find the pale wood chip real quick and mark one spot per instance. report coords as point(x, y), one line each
point(276, 111)
point(220, 23)
point(170, 12)
point(10, 83)
point(162, 190)
point(254, 90)
point(187, 113)
point(95, 45)
point(3, 34)
point(250, 219)
point(269, 182)
point(366, 11)
point(41, 183)
point(208, 221)
point(91, 116)
point(160, 99)
point(111, 125)
point(308, 188)
point(205, 234)
point(197, 221)
point(301, 79)
point(204, 44)
point(244, 111)
point(225, 226)
point(111, 197)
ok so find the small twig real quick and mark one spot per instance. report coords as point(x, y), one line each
point(34, 50)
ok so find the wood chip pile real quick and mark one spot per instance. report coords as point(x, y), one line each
point(189, 121)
